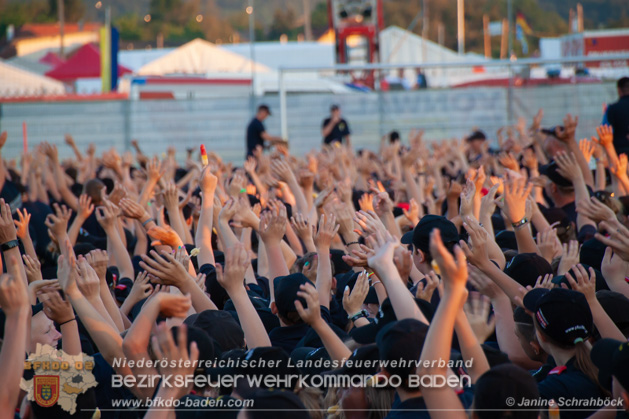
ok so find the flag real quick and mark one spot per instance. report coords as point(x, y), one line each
point(109, 39)
point(105, 59)
point(519, 35)
point(520, 20)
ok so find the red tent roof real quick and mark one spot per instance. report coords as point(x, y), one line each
point(85, 63)
point(51, 59)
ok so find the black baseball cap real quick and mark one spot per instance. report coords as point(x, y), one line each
point(563, 315)
point(611, 357)
point(203, 341)
point(363, 361)
point(524, 268)
point(401, 341)
point(500, 384)
point(476, 135)
point(616, 305)
point(264, 107)
point(220, 326)
point(285, 290)
point(334, 107)
point(600, 281)
point(550, 170)
point(421, 232)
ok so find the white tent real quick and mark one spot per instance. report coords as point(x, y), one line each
point(287, 54)
point(201, 58)
point(18, 82)
point(399, 46)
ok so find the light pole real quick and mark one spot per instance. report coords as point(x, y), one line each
point(252, 40)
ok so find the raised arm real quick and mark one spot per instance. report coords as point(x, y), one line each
point(325, 234)
point(236, 264)
point(203, 236)
point(438, 341)
point(17, 311)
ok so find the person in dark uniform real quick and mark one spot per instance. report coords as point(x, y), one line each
point(563, 323)
point(612, 359)
point(335, 128)
point(617, 115)
point(256, 133)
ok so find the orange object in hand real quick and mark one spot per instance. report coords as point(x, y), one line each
point(203, 155)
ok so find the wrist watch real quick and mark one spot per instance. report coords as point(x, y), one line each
point(520, 223)
point(362, 313)
point(9, 245)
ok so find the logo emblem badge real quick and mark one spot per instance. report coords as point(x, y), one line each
point(46, 390)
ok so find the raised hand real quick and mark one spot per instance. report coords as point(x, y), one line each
point(311, 313)
point(477, 252)
point(106, 215)
point(477, 310)
point(384, 245)
point(549, 245)
point(568, 167)
point(182, 361)
point(98, 260)
point(165, 269)
point(13, 296)
point(365, 202)
point(605, 136)
point(88, 281)
point(56, 308)
point(369, 222)
point(273, 225)
point(618, 239)
point(596, 210)
point(236, 263)
point(21, 224)
point(141, 288)
point(32, 268)
point(587, 149)
point(566, 133)
point(412, 214)
point(352, 302)
point(326, 232)
point(131, 209)
point(453, 269)
point(154, 170)
point(86, 208)
point(515, 194)
point(58, 222)
point(425, 291)
point(582, 282)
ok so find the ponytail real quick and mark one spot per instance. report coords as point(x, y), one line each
point(584, 363)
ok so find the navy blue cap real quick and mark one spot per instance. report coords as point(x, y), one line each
point(563, 315)
point(285, 289)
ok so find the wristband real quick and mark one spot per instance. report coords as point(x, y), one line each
point(520, 223)
point(147, 221)
point(362, 313)
point(67, 321)
point(350, 243)
point(373, 284)
point(9, 245)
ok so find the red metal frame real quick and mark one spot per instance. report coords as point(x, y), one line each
point(369, 31)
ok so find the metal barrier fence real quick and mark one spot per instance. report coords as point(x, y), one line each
point(443, 112)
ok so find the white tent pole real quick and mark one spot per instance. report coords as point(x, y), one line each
point(283, 119)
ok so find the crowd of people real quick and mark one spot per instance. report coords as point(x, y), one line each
point(356, 282)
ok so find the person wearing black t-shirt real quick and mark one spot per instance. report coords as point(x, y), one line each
point(256, 133)
point(335, 128)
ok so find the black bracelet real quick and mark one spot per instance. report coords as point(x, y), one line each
point(350, 243)
point(67, 321)
point(9, 245)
